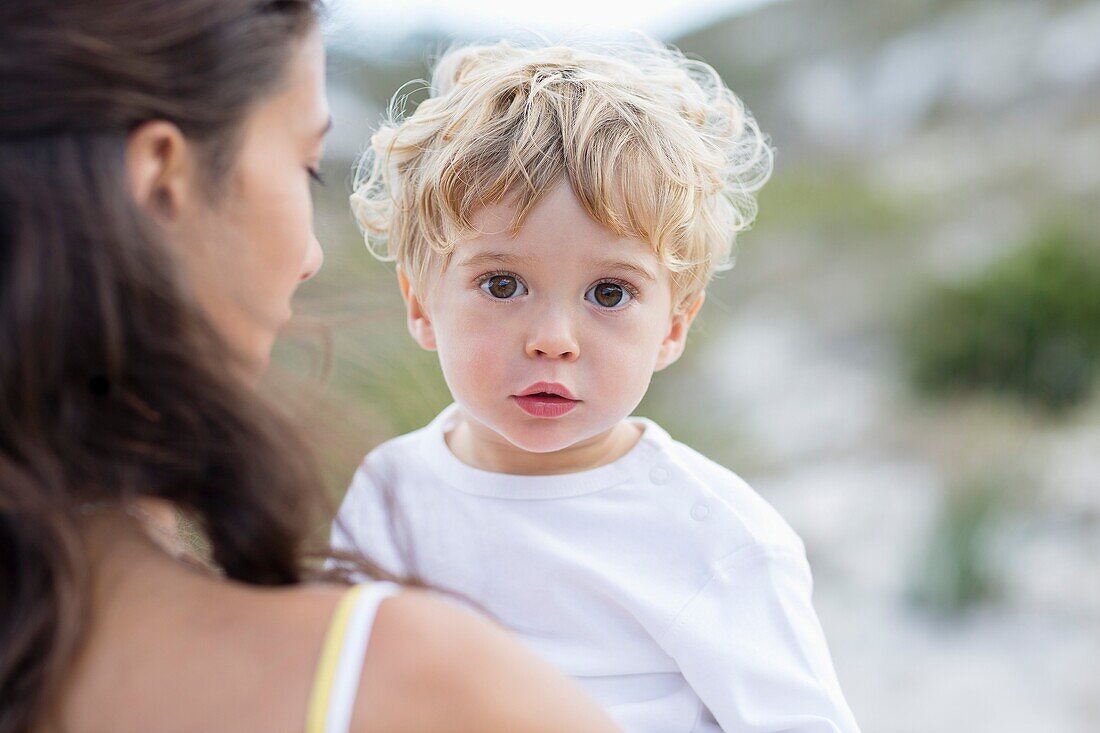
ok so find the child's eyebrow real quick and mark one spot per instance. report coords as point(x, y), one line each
point(507, 258)
point(628, 266)
point(490, 258)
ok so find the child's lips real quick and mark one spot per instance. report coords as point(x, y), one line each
point(546, 399)
point(555, 389)
point(545, 405)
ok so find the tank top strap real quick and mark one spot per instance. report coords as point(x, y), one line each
point(336, 681)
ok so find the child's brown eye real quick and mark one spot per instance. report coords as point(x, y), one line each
point(503, 287)
point(608, 295)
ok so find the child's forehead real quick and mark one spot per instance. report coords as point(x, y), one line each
point(557, 225)
point(555, 239)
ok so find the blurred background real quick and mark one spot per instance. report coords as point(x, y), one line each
point(906, 359)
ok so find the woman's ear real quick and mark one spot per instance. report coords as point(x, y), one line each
point(419, 320)
point(159, 170)
point(676, 338)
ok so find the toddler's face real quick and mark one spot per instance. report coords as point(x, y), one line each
point(549, 337)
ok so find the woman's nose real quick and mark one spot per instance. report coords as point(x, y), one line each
point(315, 257)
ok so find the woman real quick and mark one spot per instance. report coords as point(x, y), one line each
point(155, 158)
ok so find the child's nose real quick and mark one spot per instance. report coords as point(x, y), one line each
point(553, 338)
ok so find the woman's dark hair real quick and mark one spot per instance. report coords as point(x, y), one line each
point(113, 386)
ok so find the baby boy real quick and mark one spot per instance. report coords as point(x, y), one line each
point(555, 214)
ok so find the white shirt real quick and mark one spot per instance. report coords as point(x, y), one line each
point(669, 590)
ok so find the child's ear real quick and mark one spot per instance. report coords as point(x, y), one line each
point(419, 320)
point(673, 344)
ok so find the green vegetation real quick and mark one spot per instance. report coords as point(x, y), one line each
point(1028, 327)
point(829, 201)
point(957, 571)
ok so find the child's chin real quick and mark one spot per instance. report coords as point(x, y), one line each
point(542, 441)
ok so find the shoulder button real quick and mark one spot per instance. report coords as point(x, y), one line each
point(699, 512)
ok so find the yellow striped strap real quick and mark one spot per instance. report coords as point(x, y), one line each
point(330, 656)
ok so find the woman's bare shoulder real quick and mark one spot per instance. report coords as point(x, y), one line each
point(432, 665)
point(172, 643)
point(254, 651)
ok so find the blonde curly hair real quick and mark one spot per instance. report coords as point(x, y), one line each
point(654, 146)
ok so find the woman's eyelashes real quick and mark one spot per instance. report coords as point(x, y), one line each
point(607, 294)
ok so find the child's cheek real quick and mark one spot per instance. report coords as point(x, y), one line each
point(627, 358)
point(475, 355)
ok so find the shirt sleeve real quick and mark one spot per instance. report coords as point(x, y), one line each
point(365, 525)
point(343, 535)
point(750, 645)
